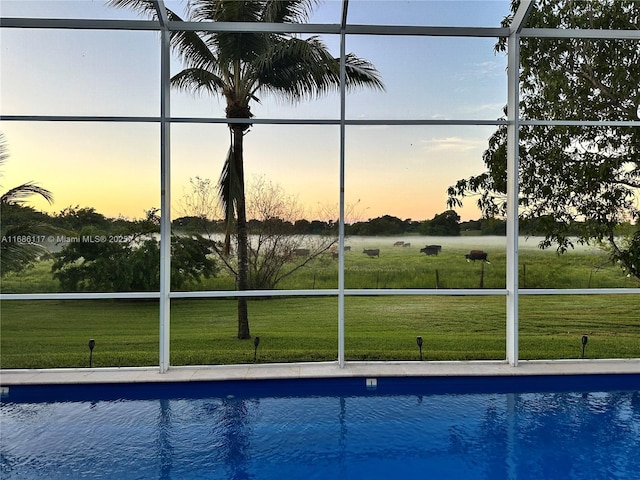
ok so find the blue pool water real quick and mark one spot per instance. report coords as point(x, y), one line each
point(583, 427)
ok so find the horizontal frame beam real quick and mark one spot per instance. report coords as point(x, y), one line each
point(314, 28)
point(460, 292)
point(252, 121)
point(80, 24)
point(311, 121)
point(301, 28)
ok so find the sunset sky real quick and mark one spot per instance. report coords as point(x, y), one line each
point(396, 170)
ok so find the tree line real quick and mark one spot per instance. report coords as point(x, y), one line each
point(74, 218)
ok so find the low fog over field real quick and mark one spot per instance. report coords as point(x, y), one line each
point(464, 242)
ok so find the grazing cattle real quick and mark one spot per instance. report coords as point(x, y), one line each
point(335, 255)
point(398, 244)
point(372, 252)
point(430, 250)
point(476, 255)
point(301, 252)
point(334, 249)
point(437, 247)
point(406, 244)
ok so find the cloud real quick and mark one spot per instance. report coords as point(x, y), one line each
point(486, 69)
point(486, 107)
point(454, 144)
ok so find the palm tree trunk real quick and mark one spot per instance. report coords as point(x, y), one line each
point(242, 234)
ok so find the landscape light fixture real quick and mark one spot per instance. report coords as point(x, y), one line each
point(256, 342)
point(585, 339)
point(419, 342)
point(92, 343)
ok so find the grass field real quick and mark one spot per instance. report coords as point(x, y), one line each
point(55, 333)
point(43, 334)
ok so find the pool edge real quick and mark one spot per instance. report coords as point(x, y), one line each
point(11, 377)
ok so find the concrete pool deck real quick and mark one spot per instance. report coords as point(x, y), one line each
point(73, 376)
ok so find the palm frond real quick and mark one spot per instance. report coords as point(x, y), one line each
point(224, 10)
point(190, 46)
point(4, 149)
point(33, 229)
point(362, 73)
point(229, 190)
point(144, 8)
point(15, 256)
point(195, 79)
point(244, 47)
point(196, 49)
point(288, 11)
point(22, 192)
point(297, 69)
point(229, 47)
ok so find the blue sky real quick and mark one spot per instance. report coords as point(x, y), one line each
point(396, 170)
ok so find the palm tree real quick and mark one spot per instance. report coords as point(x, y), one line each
point(239, 67)
point(18, 248)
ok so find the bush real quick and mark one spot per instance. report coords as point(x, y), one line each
point(99, 263)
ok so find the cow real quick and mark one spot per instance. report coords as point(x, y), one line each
point(372, 252)
point(347, 248)
point(474, 255)
point(431, 250)
point(398, 244)
point(301, 252)
point(406, 244)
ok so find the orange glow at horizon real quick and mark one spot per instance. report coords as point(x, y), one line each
point(114, 168)
point(131, 201)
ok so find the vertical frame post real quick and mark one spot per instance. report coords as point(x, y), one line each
point(165, 199)
point(513, 145)
point(513, 116)
point(343, 79)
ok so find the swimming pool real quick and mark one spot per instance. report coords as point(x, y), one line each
point(582, 426)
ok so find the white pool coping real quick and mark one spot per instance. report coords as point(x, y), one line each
point(72, 376)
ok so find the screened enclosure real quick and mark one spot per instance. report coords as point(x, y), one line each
point(420, 94)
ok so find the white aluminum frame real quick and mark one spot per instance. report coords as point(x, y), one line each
point(164, 26)
point(165, 192)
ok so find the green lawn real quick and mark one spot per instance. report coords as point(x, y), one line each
point(48, 334)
